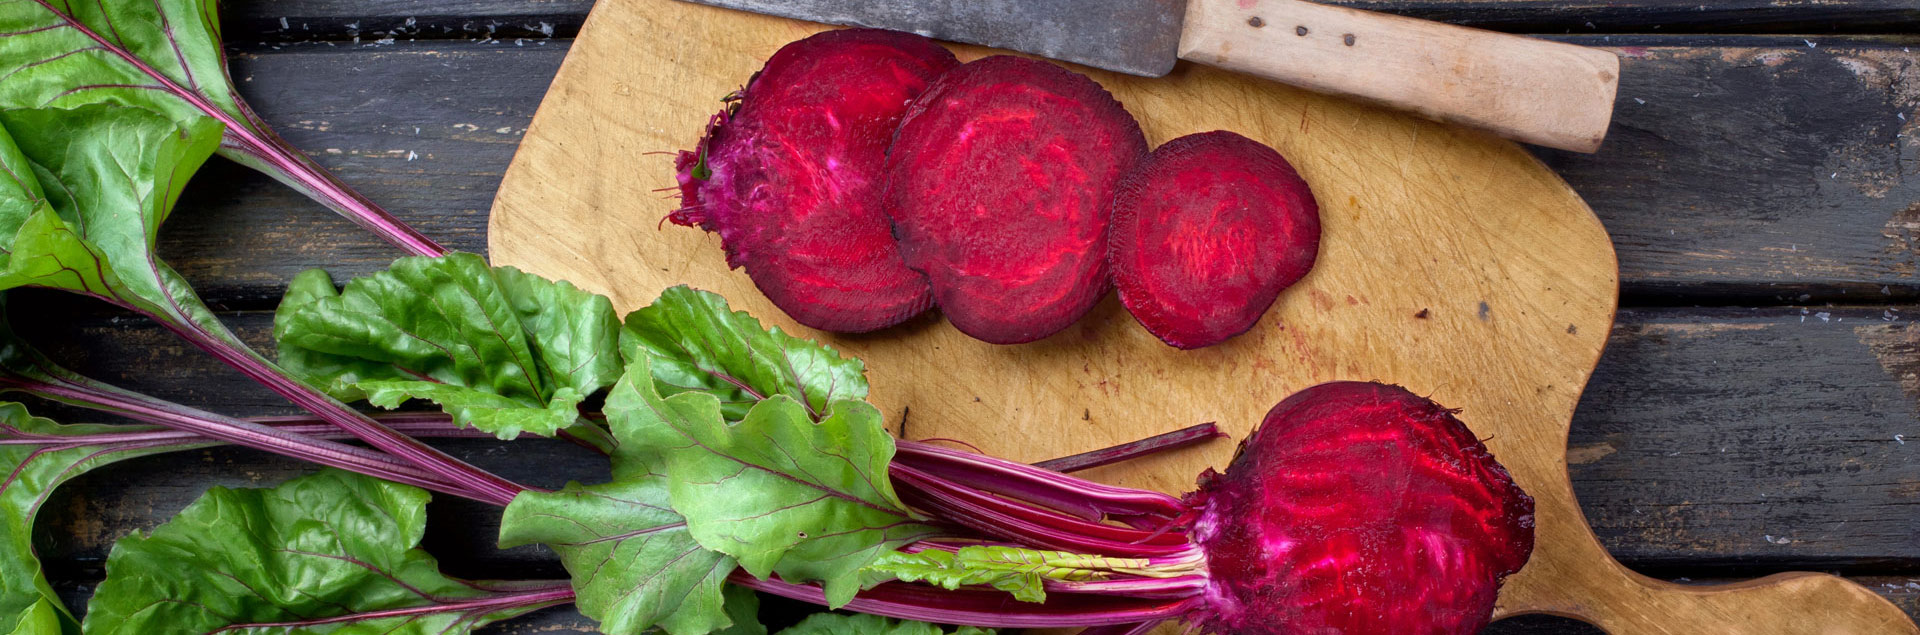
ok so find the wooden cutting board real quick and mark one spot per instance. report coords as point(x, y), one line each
point(1453, 263)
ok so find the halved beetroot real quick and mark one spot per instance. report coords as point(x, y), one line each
point(790, 177)
point(1206, 233)
point(1359, 508)
point(999, 184)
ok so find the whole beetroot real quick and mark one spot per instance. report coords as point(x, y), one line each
point(1354, 509)
point(790, 177)
point(999, 185)
point(1359, 508)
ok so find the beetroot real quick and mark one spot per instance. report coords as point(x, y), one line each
point(1206, 233)
point(999, 184)
point(790, 177)
point(1359, 508)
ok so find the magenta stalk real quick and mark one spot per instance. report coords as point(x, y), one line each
point(472, 482)
point(544, 595)
point(1190, 435)
point(244, 433)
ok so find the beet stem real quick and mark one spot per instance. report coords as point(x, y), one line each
point(1174, 440)
point(1029, 524)
point(1036, 485)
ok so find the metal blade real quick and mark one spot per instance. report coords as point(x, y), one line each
point(1137, 37)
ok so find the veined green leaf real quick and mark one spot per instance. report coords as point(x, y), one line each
point(46, 455)
point(698, 344)
point(111, 175)
point(43, 618)
point(864, 624)
point(334, 552)
point(634, 564)
point(500, 350)
point(65, 54)
point(20, 193)
point(777, 491)
point(162, 56)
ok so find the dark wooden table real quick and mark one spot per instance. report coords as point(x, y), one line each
point(1757, 410)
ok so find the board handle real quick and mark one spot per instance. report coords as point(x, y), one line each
point(1571, 575)
point(1545, 93)
point(1796, 603)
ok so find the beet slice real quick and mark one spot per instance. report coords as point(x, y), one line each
point(999, 184)
point(790, 177)
point(1206, 233)
point(1359, 508)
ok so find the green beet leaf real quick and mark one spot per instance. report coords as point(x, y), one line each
point(634, 564)
point(864, 624)
point(36, 456)
point(743, 609)
point(20, 192)
point(778, 491)
point(698, 344)
point(63, 53)
point(162, 56)
point(110, 176)
point(333, 552)
point(500, 350)
point(43, 618)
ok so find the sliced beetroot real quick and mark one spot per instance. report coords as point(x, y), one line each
point(999, 184)
point(1359, 508)
point(1206, 233)
point(790, 177)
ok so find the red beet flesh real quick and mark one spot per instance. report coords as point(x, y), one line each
point(1359, 508)
point(1206, 233)
point(999, 184)
point(791, 178)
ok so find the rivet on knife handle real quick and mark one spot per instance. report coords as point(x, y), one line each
point(1545, 93)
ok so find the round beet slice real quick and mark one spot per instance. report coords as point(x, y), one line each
point(1000, 183)
point(1206, 233)
point(790, 177)
point(1359, 508)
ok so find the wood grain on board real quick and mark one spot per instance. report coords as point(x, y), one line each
point(1419, 217)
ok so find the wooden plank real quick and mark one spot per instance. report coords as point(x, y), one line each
point(1811, 476)
point(1787, 175)
point(1759, 171)
point(374, 20)
point(1754, 439)
point(255, 20)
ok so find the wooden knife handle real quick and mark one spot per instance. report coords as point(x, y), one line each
point(1546, 93)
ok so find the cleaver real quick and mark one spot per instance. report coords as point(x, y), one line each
point(1544, 93)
